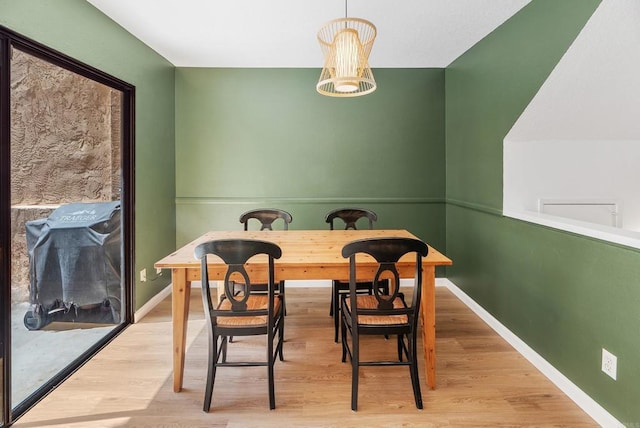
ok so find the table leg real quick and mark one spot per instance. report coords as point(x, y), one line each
point(181, 290)
point(428, 314)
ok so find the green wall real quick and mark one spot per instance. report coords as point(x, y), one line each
point(248, 138)
point(566, 296)
point(77, 29)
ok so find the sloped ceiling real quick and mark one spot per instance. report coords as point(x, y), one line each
point(282, 33)
point(594, 91)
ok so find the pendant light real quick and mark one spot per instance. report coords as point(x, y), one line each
point(346, 44)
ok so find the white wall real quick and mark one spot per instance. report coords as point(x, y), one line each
point(579, 138)
point(579, 170)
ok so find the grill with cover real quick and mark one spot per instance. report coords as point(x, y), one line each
point(75, 265)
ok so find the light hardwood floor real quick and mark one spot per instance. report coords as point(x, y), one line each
point(481, 380)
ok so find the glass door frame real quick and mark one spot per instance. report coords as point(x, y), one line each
point(9, 40)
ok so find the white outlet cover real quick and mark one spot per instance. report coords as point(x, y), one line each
point(609, 364)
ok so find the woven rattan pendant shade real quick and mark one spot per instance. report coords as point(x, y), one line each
point(346, 44)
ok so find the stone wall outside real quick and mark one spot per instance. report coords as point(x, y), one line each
point(65, 147)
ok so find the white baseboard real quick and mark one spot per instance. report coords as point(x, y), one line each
point(311, 283)
point(586, 403)
point(152, 303)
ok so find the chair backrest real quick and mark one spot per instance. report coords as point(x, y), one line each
point(235, 253)
point(350, 216)
point(386, 252)
point(266, 217)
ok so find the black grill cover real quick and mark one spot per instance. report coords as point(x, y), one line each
point(74, 255)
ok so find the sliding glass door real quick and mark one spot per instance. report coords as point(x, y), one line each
point(66, 199)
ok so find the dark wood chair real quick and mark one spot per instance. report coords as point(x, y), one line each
point(350, 217)
point(266, 217)
point(241, 313)
point(382, 314)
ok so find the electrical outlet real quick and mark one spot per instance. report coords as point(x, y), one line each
point(158, 271)
point(143, 275)
point(609, 364)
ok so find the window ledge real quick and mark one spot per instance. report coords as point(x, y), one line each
point(624, 237)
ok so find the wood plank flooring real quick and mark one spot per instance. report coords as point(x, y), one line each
point(481, 380)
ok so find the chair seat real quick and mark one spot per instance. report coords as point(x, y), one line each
point(370, 302)
point(254, 303)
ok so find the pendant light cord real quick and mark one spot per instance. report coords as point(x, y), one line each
point(346, 16)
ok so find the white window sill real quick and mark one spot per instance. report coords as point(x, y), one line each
point(625, 237)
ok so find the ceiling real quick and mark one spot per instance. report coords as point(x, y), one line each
point(282, 33)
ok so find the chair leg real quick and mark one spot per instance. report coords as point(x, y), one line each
point(223, 347)
point(335, 303)
point(281, 339)
point(343, 329)
point(355, 365)
point(270, 374)
point(211, 372)
point(331, 306)
point(281, 291)
point(415, 379)
point(336, 325)
point(415, 382)
point(400, 352)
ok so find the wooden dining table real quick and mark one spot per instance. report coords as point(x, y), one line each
point(306, 255)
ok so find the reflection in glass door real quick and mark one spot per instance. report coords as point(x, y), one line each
point(66, 288)
point(68, 196)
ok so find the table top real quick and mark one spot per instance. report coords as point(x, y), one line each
point(310, 248)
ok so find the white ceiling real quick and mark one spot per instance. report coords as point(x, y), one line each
point(282, 33)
